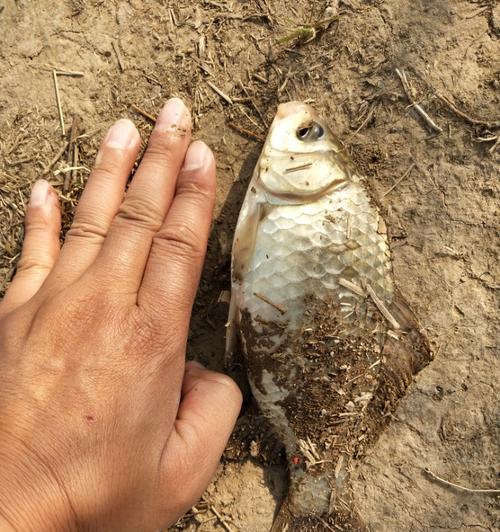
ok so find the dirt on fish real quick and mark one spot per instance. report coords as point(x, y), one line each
point(438, 192)
point(341, 385)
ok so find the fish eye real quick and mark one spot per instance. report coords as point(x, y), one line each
point(310, 132)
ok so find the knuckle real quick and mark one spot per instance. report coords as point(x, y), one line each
point(83, 229)
point(31, 264)
point(180, 240)
point(87, 313)
point(140, 211)
point(37, 220)
point(150, 335)
point(197, 190)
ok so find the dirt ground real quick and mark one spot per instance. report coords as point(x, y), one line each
point(438, 191)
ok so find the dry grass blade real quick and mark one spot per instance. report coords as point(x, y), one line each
point(221, 93)
point(221, 520)
point(358, 290)
point(142, 112)
point(281, 309)
point(458, 487)
point(56, 157)
point(407, 88)
point(383, 309)
point(58, 102)
point(292, 169)
point(121, 64)
point(492, 124)
point(405, 175)
point(247, 132)
point(72, 155)
point(70, 73)
point(495, 146)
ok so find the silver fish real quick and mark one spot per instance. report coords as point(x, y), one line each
point(329, 344)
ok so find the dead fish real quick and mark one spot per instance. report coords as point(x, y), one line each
point(329, 344)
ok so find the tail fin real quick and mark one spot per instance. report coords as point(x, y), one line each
point(285, 521)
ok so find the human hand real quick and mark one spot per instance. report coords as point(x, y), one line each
point(102, 425)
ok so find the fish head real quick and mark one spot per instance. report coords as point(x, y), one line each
point(301, 158)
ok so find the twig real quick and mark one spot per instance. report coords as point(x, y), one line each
point(56, 157)
point(19, 161)
point(223, 523)
point(368, 117)
point(382, 308)
point(58, 101)
point(72, 154)
point(203, 66)
point(247, 132)
point(458, 487)
point(70, 73)
point(279, 308)
point(474, 121)
point(416, 106)
point(326, 525)
point(493, 138)
point(71, 169)
point(142, 112)
point(222, 94)
point(495, 146)
point(358, 290)
point(259, 78)
point(292, 169)
point(76, 154)
point(406, 174)
point(121, 65)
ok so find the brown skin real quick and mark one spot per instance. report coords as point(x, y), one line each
point(102, 424)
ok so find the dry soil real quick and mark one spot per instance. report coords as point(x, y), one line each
point(438, 190)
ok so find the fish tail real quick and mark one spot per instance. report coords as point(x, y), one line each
point(286, 521)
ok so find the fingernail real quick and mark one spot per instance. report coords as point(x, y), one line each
point(121, 135)
point(197, 157)
point(39, 193)
point(174, 116)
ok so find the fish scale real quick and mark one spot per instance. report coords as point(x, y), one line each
point(297, 253)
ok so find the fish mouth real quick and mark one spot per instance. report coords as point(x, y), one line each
point(290, 108)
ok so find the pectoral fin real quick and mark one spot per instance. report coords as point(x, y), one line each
point(242, 253)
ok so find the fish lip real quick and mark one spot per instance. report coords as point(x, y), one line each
point(290, 108)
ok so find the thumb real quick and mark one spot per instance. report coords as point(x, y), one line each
point(208, 411)
point(40, 247)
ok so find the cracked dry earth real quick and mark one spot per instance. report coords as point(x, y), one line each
point(438, 193)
